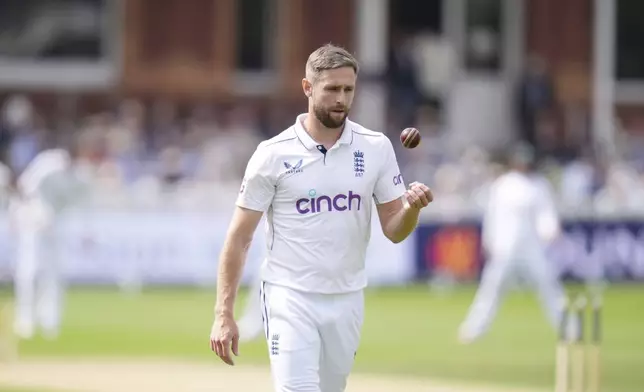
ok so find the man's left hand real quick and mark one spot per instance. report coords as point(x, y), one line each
point(418, 195)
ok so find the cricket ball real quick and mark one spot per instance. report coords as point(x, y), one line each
point(410, 137)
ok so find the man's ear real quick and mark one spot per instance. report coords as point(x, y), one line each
point(307, 87)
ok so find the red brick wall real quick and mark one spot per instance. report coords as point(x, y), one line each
point(561, 32)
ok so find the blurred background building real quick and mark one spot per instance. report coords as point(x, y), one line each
point(186, 89)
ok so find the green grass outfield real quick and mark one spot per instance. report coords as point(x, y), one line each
point(407, 331)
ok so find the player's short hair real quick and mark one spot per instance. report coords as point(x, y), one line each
point(327, 57)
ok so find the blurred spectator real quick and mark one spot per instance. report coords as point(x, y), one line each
point(200, 127)
point(483, 49)
point(623, 192)
point(229, 150)
point(171, 169)
point(546, 136)
point(21, 132)
point(163, 129)
point(195, 162)
point(576, 129)
point(403, 79)
point(535, 97)
point(126, 143)
point(576, 182)
point(630, 143)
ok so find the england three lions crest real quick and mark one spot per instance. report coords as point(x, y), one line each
point(358, 163)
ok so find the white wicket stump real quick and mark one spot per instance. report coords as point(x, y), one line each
point(578, 360)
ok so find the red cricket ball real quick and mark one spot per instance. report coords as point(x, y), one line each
point(410, 137)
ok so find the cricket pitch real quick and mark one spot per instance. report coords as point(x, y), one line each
point(99, 375)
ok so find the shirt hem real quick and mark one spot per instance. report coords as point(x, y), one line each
point(250, 207)
point(388, 200)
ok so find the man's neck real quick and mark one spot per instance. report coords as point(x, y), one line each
point(321, 134)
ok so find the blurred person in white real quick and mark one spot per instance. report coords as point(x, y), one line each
point(314, 273)
point(519, 221)
point(53, 182)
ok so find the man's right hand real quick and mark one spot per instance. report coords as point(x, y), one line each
point(224, 336)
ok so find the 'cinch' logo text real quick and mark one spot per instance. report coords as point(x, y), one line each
point(340, 202)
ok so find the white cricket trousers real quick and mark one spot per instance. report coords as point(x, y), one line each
point(499, 275)
point(312, 338)
point(38, 284)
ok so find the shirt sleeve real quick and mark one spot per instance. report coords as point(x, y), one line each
point(390, 185)
point(258, 186)
point(40, 168)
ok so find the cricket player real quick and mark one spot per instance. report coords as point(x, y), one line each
point(519, 222)
point(53, 181)
point(314, 181)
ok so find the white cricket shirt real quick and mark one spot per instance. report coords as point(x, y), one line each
point(51, 178)
point(520, 217)
point(318, 204)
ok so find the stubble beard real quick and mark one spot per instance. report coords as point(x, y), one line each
point(324, 116)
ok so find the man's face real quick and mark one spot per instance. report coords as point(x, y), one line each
point(331, 95)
